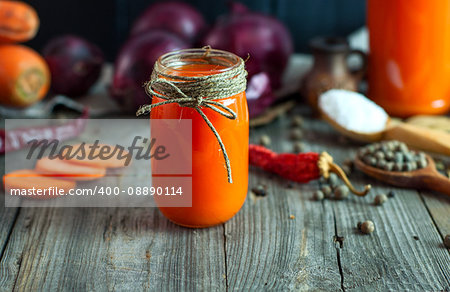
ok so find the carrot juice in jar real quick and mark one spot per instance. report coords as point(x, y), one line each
point(409, 59)
point(215, 199)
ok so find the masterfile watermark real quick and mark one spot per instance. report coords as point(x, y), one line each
point(146, 151)
point(109, 163)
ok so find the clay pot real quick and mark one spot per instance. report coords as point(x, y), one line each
point(330, 69)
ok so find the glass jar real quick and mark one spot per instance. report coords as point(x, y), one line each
point(409, 59)
point(214, 199)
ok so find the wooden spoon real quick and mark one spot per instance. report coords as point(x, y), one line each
point(414, 136)
point(424, 178)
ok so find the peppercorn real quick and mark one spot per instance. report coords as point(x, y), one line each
point(299, 147)
point(368, 159)
point(440, 165)
point(389, 166)
point(447, 241)
point(326, 190)
point(398, 157)
point(391, 145)
point(259, 191)
point(397, 166)
point(371, 148)
point(333, 180)
point(389, 155)
point(379, 155)
point(297, 121)
point(296, 134)
point(362, 152)
point(380, 199)
point(391, 194)
point(341, 192)
point(359, 225)
point(265, 140)
point(407, 166)
point(422, 163)
point(402, 147)
point(381, 164)
point(366, 227)
point(318, 195)
point(408, 157)
point(384, 148)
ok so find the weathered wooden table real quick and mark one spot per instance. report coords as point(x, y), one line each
point(261, 248)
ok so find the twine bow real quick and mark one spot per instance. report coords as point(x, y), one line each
point(198, 92)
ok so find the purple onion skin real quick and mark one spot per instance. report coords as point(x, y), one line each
point(134, 65)
point(265, 39)
point(75, 64)
point(259, 94)
point(177, 17)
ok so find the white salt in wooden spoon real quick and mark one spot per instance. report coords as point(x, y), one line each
point(414, 136)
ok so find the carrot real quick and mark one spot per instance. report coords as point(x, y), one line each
point(111, 162)
point(67, 170)
point(19, 22)
point(24, 76)
point(25, 180)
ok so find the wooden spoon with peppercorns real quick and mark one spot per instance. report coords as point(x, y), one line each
point(423, 178)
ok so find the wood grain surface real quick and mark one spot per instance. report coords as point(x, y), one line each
point(283, 241)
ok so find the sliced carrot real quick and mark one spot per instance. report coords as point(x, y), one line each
point(66, 170)
point(115, 161)
point(26, 180)
point(19, 22)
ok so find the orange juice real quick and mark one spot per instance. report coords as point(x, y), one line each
point(214, 199)
point(409, 59)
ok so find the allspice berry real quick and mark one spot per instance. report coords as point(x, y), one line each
point(341, 192)
point(327, 191)
point(297, 121)
point(366, 227)
point(447, 241)
point(296, 134)
point(298, 147)
point(380, 199)
point(333, 180)
point(265, 140)
point(318, 195)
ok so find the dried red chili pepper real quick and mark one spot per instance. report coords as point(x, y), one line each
point(302, 167)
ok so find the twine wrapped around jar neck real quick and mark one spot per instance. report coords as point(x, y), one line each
point(198, 92)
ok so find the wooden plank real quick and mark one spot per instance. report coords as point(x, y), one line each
point(166, 256)
point(115, 249)
point(438, 206)
point(8, 217)
point(268, 250)
point(390, 258)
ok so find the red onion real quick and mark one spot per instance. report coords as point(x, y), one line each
point(75, 64)
point(177, 17)
point(134, 65)
point(264, 38)
point(259, 94)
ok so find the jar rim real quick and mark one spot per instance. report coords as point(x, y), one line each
point(176, 59)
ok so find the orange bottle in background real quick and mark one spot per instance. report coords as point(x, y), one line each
point(214, 200)
point(409, 58)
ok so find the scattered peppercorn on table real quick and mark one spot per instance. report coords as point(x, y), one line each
point(286, 236)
